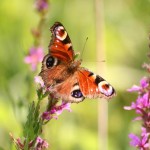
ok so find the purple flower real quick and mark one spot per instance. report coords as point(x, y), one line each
point(59, 109)
point(133, 106)
point(143, 84)
point(56, 111)
point(141, 103)
point(35, 56)
point(40, 144)
point(140, 142)
point(134, 88)
point(46, 115)
point(41, 5)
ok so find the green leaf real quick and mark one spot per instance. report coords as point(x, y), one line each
point(33, 125)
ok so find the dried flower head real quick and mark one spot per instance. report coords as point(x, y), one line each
point(41, 5)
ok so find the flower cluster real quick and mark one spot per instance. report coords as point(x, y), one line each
point(142, 109)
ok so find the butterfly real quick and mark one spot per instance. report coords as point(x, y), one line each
point(63, 75)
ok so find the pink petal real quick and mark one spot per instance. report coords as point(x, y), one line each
point(135, 140)
point(144, 83)
point(127, 108)
point(27, 59)
point(134, 88)
point(137, 119)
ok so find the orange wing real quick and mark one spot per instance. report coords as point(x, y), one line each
point(94, 86)
point(68, 90)
point(60, 45)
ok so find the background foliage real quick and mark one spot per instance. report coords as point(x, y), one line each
point(126, 29)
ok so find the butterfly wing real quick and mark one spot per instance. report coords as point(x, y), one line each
point(60, 45)
point(53, 71)
point(68, 90)
point(94, 86)
point(60, 55)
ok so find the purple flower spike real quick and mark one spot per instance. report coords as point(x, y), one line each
point(35, 56)
point(142, 108)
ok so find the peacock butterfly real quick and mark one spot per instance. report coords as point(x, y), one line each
point(64, 76)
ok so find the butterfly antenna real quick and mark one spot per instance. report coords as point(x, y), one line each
point(84, 47)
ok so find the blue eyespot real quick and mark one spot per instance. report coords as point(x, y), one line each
point(76, 94)
point(50, 62)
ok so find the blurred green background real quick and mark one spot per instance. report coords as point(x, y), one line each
point(125, 36)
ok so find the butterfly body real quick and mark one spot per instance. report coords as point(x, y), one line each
point(65, 77)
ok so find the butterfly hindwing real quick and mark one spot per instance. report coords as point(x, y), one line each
point(68, 90)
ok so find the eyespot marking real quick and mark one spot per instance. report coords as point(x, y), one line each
point(51, 61)
point(60, 33)
point(76, 94)
point(105, 88)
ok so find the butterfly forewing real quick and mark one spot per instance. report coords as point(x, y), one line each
point(60, 45)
